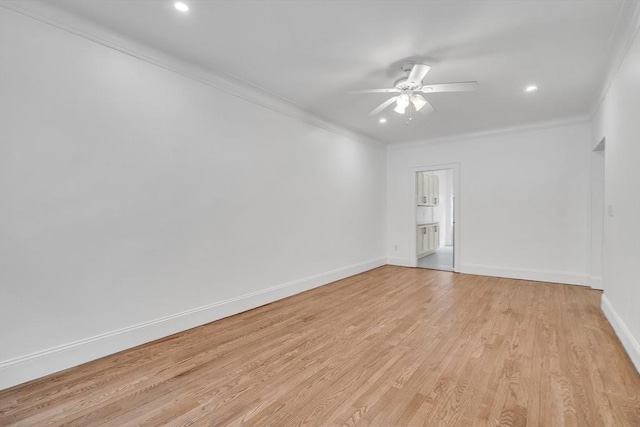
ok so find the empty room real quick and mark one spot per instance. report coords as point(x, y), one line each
point(319, 213)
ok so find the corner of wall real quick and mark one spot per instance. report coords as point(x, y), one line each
point(624, 334)
point(49, 13)
point(627, 26)
point(400, 262)
point(29, 367)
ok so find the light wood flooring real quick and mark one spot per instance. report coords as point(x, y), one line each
point(390, 347)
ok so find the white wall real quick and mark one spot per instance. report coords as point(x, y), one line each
point(597, 218)
point(137, 202)
point(444, 208)
point(524, 201)
point(618, 121)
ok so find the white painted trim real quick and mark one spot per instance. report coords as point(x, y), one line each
point(526, 274)
point(589, 254)
point(457, 237)
point(620, 41)
point(525, 127)
point(401, 262)
point(596, 282)
point(35, 365)
point(56, 17)
point(629, 343)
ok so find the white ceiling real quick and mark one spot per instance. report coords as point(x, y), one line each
point(313, 52)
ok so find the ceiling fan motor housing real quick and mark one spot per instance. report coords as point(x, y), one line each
point(404, 85)
point(411, 82)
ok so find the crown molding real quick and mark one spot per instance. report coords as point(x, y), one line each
point(620, 41)
point(526, 127)
point(52, 15)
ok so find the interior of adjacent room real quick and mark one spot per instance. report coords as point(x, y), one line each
point(435, 219)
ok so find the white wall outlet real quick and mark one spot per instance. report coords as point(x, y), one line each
point(610, 210)
point(395, 247)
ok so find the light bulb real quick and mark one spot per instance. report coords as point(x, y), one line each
point(399, 109)
point(182, 7)
point(418, 102)
point(402, 103)
point(403, 100)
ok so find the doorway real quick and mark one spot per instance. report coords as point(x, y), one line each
point(434, 219)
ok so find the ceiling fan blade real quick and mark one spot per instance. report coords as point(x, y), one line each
point(417, 73)
point(392, 90)
point(382, 106)
point(450, 87)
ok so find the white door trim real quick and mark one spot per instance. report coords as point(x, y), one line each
point(411, 226)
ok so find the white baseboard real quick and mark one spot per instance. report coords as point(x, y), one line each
point(402, 262)
point(526, 274)
point(35, 365)
point(596, 282)
point(620, 328)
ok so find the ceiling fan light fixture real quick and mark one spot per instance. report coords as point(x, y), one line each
point(182, 7)
point(402, 103)
point(418, 102)
point(410, 88)
point(400, 110)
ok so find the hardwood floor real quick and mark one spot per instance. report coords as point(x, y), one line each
point(390, 347)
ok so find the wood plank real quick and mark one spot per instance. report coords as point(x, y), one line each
point(390, 347)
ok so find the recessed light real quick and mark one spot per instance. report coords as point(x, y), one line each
point(531, 88)
point(182, 7)
point(383, 120)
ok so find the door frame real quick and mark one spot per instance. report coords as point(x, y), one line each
point(457, 235)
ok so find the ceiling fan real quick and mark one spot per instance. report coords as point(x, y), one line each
point(411, 88)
